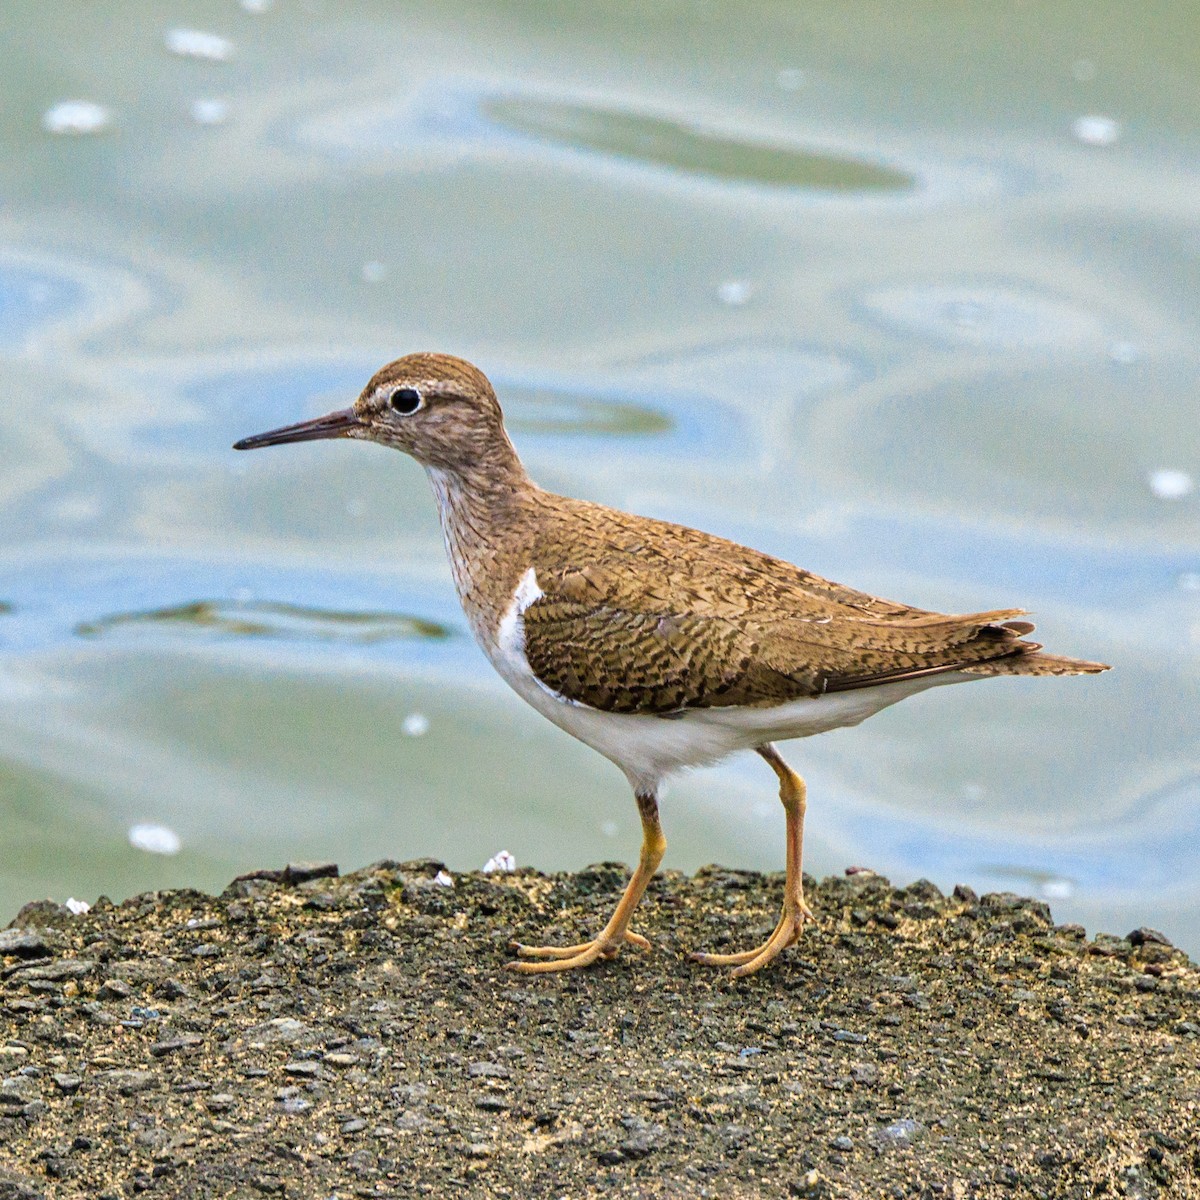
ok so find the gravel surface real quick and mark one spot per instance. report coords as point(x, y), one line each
point(308, 1035)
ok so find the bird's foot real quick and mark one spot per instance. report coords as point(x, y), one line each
point(786, 934)
point(567, 958)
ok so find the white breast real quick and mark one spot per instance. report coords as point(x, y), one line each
point(648, 748)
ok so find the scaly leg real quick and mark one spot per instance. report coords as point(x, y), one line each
point(616, 933)
point(795, 912)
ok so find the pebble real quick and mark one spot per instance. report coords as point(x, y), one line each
point(842, 1143)
point(302, 872)
point(129, 1082)
point(354, 1125)
point(24, 943)
point(159, 1049)
point(63, 968)
point(306, 1070)
point(863, 1072)
point(18, 1089)
point(219, 1102)
point(1143, 934)
point(487, 1070)
point(66, 1082)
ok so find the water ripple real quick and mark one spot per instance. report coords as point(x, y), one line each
point(674, 145)
point(271, 619)
point(439, 126)
point(42, 295)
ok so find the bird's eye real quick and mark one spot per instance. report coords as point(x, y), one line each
point(405, 400)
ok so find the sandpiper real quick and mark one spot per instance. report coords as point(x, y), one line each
point(657, 645)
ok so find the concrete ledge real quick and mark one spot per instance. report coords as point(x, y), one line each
point(308, 1035)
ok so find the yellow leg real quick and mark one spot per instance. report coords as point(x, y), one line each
point(616, 933)
point(795, 912)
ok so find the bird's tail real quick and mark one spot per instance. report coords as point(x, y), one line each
point(1035, 662)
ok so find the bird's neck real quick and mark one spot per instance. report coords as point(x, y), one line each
point(485, 509)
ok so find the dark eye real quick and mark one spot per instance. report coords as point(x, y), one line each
point(405, 400)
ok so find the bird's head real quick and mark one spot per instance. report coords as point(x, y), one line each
point(437, 408)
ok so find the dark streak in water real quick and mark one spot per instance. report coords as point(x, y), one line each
point(269, 619)
point(551, 413)
point(661, 142)
point(5, 608)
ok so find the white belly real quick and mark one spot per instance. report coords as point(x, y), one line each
point(648, 748)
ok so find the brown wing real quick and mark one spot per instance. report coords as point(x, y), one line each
point(663, 618)
point(656, 662)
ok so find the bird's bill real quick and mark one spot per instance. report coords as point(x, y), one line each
point(332, 425)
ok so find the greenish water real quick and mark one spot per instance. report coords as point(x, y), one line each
point(905, 294)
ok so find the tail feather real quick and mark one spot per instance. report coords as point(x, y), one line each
point(1035, 662)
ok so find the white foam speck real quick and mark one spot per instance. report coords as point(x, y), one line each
point(444, 879)
point(610, 828)
point(1171, 484)
point(1189, 581)
point(735, 292)
point(373, 272)
point(500, 861)
point(1124, 353)
point(154, 839)
point(1095, 130)
point(196, 43)
point(76, 117)
point(1057, 889)
point(257, 6)
point(1084, 70)
point(78, 907)
point(790, 79)
point(210, 112)
point(416, 725)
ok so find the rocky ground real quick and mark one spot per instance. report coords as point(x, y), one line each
point(307, 1035)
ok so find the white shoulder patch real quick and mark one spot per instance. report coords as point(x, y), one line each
point(527, 591)
point(511, 635)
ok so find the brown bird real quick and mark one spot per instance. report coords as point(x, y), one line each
point(657, 645)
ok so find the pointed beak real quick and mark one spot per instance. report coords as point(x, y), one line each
point(332, 425)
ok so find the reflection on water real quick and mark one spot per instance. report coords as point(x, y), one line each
point(269, 619)
point(444, 124)
point(553, 412)
point(679, 146)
